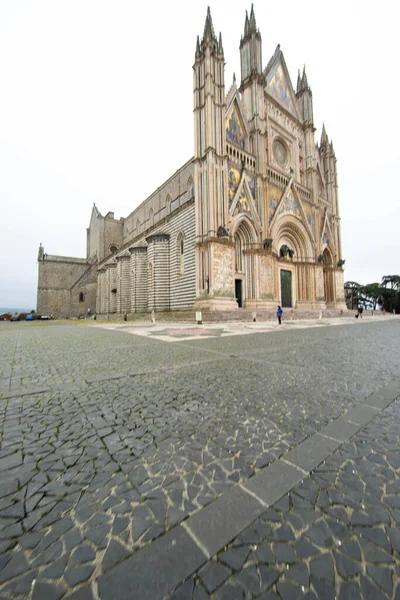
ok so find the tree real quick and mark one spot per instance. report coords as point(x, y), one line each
point(371, 295)
point(352, 291)
point(391, 295)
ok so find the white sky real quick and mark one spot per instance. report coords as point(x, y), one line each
point(96, 106)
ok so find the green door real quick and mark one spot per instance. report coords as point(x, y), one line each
point(286, 289)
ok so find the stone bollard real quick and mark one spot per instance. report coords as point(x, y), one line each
point(292, 315)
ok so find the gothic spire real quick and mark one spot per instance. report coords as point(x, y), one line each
point(298, 87)
point(304, 80)
point(324, 137)
point(252, 24)
point(220, 47)
point(246, 26)
point(198, 47)
point(209, 33)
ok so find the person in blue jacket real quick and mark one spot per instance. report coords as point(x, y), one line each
point(279, 314)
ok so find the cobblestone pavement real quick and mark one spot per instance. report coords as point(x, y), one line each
point(246, 466)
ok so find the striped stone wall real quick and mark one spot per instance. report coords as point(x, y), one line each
point(123, 284)
point(158, 272)
point(138, 279)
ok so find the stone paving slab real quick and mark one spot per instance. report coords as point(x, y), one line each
point(341, 429)
point(129, 437)
point(334, 535)
point(312, 451)
point(274, 481)
point(219, 522)
point(155, 570)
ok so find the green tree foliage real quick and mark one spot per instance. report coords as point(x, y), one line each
point(371, 295)
point(385, 295)
point(391, 293)
point(353, 291)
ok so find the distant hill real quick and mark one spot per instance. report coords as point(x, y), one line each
point(14, 310)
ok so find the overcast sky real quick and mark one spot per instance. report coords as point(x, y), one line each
point(96, 106)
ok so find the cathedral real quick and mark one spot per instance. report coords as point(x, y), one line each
point(251, 221)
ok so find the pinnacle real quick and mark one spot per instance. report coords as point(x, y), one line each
point(253, 26)
point(324, 136)
point(298, 87)
point(246, 26)
point(220, 47)
point(209, 33)
point(304, 78)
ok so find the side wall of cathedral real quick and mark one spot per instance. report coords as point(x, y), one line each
point(158, 238)
point(57, 276)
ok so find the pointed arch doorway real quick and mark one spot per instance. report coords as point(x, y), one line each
point(329, 287)
point(245, 265)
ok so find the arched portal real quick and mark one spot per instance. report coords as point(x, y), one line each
point(245, 237)
point(329, 287)
point(296, 250)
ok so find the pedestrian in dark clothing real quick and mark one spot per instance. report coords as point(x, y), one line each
point(279, 314)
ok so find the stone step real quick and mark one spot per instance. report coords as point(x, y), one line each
point(221, 316)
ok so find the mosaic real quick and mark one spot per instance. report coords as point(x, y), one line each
point(234, 128)
point(274, 196)
point(233, 182)
point(242, 205)
point(308, 213)
point(291, 206)
point(252, 186)
point(325, 239)
point(279, 88)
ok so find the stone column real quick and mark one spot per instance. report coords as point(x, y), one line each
point(319, 285)
point(339, 283)
point(138, 279)
point(123, 284)
point(158, 288)
point(100, 291)
point(267, 297)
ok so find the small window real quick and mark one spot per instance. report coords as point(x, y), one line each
point(181, 255)
point(113, 249)
point(81, 297)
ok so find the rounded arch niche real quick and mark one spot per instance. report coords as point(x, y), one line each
point(292, 233)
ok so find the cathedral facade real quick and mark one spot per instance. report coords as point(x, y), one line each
point(251, 221)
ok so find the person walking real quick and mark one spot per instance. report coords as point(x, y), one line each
point(279, 314)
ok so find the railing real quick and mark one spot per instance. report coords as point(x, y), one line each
point(241, 157)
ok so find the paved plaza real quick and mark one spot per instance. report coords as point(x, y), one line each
point(185, 462)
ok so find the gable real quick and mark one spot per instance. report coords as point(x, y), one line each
point(233, 182)
point(235, 129)
point(327, 235)
point(243, 201)
point(279, 86)
point(242, 204)
point(234, 178)
point(290, 206)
